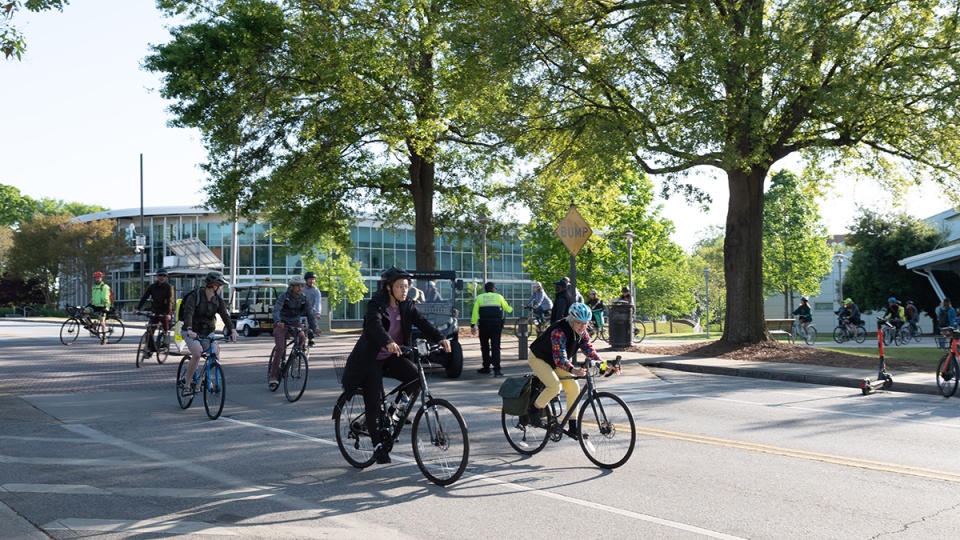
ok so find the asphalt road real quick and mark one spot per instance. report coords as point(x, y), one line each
point(92, 447)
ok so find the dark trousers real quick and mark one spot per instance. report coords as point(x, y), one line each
point(490, 343)
point(400, 368)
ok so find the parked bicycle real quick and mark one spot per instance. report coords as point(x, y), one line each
point(294, 367)
point(845, 331)
point(153, 341)
point(439, 434)
point(604, 425)
point(948, 369)
point(208, 378)
point(108, 328)
point(797, 333)
point(536, 324)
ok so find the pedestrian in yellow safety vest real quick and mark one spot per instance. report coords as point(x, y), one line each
point(488, 312)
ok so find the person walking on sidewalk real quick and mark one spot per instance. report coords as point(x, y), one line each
point(488, 312)
point(313, 298)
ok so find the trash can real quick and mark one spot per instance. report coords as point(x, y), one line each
point(620, 325)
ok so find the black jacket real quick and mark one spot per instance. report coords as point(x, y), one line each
point(376, 322)
point(162, 298)
point(199, 313)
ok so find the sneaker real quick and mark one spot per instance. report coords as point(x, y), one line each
point(533, 415)
point(146, 356)
point(380, 455)
point(497, 373)
point(484, 371)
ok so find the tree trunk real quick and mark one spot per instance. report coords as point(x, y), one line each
point(422, 178)
point(743, 258)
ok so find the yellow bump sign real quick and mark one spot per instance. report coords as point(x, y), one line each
point(573, 231)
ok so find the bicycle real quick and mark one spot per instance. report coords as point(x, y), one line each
point(796, 332)
point(597, 327)
point(294, 367)
point(108, 328)
point(211, 382)
point(536, 324)
point(845, 331)
point(892, 334)
point(911, 330)
point(948, 369)
point(439, 434)
point(153, 341)
point(602, 417)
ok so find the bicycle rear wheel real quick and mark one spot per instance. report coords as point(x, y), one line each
point(214, 392)
point(115, 330)
point(523, 437)
point(607, 430)
point(639, 331)
point(917, 334)
point(440, 443)
point(353, 436)
point(69, 331)
point(163, 346)
point(811, 335)
point(295, 377)
point(181, 382)
point(142, 349)
point(947, 375)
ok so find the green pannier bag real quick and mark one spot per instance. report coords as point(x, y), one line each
point(515, 392)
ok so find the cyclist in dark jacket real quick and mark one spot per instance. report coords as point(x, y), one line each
point(162, 300)
point(387, 324)
point(290, 307)
point(561, 303)
point(199, 319)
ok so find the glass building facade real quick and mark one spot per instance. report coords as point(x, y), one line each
point(260, 256)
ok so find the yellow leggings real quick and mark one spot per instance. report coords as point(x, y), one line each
point(553, 378)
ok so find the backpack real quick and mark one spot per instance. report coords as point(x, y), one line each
point(943, 318)
point(183, 300)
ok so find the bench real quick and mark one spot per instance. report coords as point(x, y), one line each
point(779, 328)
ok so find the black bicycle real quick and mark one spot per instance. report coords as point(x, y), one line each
point(439, 434)
point(153, 341)
point(535, 322)
point(106, 327)
point(604, 425)
point(294, 367)
point(208, 378)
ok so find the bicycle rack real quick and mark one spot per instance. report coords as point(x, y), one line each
point(884, 380)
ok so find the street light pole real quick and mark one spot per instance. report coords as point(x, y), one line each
point(629, 236)
point(483, 220)
point(706, 295)
point(840, 270)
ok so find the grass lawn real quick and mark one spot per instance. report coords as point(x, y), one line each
point(926, 356)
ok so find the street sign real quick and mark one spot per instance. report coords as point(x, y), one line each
point(573, 231)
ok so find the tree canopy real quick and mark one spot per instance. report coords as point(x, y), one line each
point(736, 86)
point(313, 112)
point(12, 42)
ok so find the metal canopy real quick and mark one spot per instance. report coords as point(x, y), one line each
point(194, 254)
point(945, 259)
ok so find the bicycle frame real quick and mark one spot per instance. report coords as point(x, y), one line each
point(589, 390)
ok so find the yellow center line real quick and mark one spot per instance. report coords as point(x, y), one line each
point(845, 461)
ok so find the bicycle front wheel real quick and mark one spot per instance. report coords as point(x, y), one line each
point(182, 382)
point(115, 330)
point(947, 373)
point(523, 437)
point(840, 334)
point(69, 331)
point(607, 430)
point(295, 378)
point(861, 334)
point(214, 392)
point(353, 436)
point(811, 336)
point(142, 349)
point(888, 336)
point(440, 443)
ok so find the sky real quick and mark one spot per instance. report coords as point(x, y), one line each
point(78, 112)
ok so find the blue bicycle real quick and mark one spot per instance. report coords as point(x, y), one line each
point(208, 378)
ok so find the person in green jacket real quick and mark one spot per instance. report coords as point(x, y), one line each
point(488, 312)
point(100, 300)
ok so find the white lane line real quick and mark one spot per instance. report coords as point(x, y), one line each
point(185, 493)
point(54, 440)
point(60, 461)
point(534, 491)
point(138, 526)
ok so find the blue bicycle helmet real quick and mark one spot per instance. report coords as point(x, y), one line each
point(892, 300)
point(581, 312)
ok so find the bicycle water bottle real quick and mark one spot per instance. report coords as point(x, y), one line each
point(401, 407)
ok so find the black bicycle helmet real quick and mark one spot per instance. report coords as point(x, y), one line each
point(393, 273)
point(161, 271)
point(214, 277)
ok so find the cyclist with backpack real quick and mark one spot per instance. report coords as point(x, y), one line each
point(894, 312)
point(162, 299)
point(946, 314)
point(290, 307)
point(199, 310)
point(912, 316)
point(387, 323)
point(554, 353)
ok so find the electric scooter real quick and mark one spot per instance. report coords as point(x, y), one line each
point(884, 380)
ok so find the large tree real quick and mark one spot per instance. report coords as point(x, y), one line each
point(315, 111)
point(795, 251)
point(738, 85)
